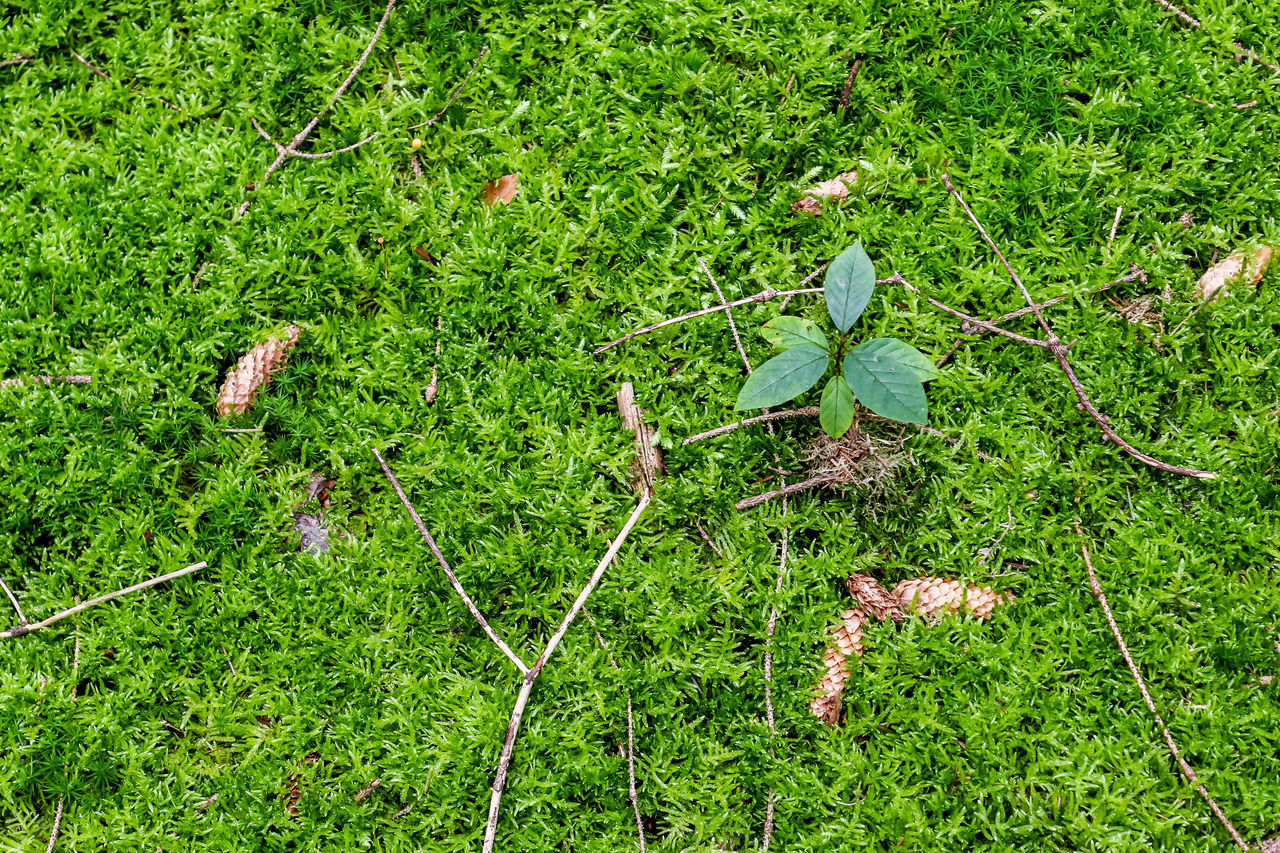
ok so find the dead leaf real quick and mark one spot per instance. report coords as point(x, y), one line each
point(502, 190)
point(1246, 264)
point(836, 189)
point(319, 488)
point(313, 536)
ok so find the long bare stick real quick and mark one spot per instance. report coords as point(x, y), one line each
point(456, 91)
point(1111, 238)
point(23, 630)
point(1186, 768)
point(281, 149)
point(762, 296)
point(768, 670)
point(802, 412)
point(448, 570)
point(22, 620)
point(284, 153)
point(57, 826)
point(1059, 351)
point(522, 698)
point(1244, 52)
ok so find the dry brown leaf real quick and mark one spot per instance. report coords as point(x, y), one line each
point(253, 372)
point(1245, 264)
point(836, 189)
point(502, 190)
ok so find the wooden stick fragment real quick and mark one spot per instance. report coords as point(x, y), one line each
point(1059, 352)
point(1187, 771)
point(448, 570)
point(23, 630)
point(802, 412)
point(811, 483)
point(1111, 238)
point(848, 84)
point(368, 789)
point(733, 327)
point(648, 459)
point(522, 698)
point(18, 59)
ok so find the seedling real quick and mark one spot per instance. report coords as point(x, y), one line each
point(885, 375)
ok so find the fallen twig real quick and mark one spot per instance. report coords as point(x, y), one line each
point(96, 70)
point(456, 91)
point(706, 538)
point(811, 483)
point(57, 826)
point(802, 412)
point(733, 327)
point(23, 630)
point(1244, 52)
point(283, 152)
point(73, 379)
point(1111, 238)
point(204, 805)
point(848, 84)
point(770, 628)
point(1059, 351)
point(18, 59)
point(368, 789)
point(22, 620)
point(522, 698)
point(444, 564)
point(1186, 768)
point(648, 459)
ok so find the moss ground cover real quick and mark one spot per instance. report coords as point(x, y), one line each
point(645, 134)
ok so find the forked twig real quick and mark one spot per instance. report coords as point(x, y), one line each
point(448, 570)
point(1186, 768)
point(1059, 350)
point(18, 59)
point(522, 698)
point(456, 91)
point(287, 152)
point(23, 630)
point(733, 327)
point(284, 152)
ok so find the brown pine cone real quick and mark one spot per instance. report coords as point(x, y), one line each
point(253, 372)
point(846, 639)
point(933, 597)
point(874, 599)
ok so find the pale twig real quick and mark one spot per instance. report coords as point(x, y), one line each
point(75, 659)
point(22, 620)
point(810, 277)
point(417, 165)
point(972, 321)
point(195, 279)
point(632, 790)
point(57, 826)
point(23, 630)
point(1244, 52)
point(768, 669)
point(456, 91)
point(75, 379)
point(1111, 238)
point(204, 805)
point(284, 152)
point(802, 412)
point(239, 430)
point(18, 59)
point(96, 70)
point(733, 327)
point(1059, 351)
point(281, 149)
point(522, 699)
point(1096, 587)
point(448, 570)
point(763, 296)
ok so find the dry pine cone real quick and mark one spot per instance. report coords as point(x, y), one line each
point(846, 639)
point(933, 597)
point(252, 373)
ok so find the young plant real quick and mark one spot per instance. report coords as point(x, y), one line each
point(885, 375)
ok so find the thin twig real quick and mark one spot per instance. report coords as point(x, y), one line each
point(733, 327)
point(762, 296)
point(522, 699)
point(22, 620)
point(1181, 14)
point(74, 379)
point(456, 91)
point(631, 735)
point(768, 669)
point(18, 59)
point(132, 90)
point(444, 564)
point(57, 826)
point(1244, 52)
point(283, 152)
point(972, 321)
point(1111, 238)
point(1059, 351)
point(848, 84)
point(1096, 587)
point(204, 805)
point(23, 630)
point(811, 483)
point(810, 277)
point(75, 659)
point(802, 412)
point(705, 538)
point(195, 279)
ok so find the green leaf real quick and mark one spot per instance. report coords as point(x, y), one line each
point(836, 410)
point(906, 354)
point(786, 332)
point(783, 377)
point(885, 385)
point(848, 286)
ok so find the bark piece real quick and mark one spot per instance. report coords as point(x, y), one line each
point(1245, 264)
point(253, 372)
point(647, 464)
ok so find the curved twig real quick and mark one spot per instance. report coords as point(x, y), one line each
point(456, 91)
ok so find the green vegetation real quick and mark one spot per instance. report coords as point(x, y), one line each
point(645, 133)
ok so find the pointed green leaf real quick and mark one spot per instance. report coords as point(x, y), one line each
point(886, 386)
point(835, 413)
point(848, 286)
point(783, 377)
point(786, 332)
point(906, 354)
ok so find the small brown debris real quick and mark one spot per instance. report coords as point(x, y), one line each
point(1187, 219)
point(503, 190)
point(647, 464)
point(1140, 310)
point(425, 255)
point(207, 803)
point(254, 372)
point(933, 597)
point(313, 536)
point(179, 733)
point(1271, 845)
point(369, 789)
point(836, 189)
point(1245, 264)
point(292, 793)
